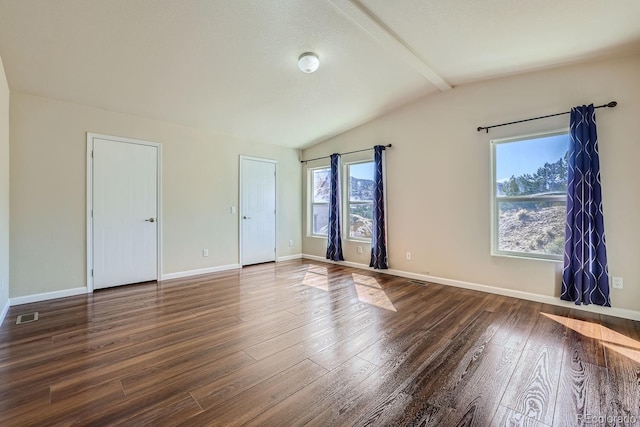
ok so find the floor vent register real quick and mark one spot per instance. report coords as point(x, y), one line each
point(27, 318)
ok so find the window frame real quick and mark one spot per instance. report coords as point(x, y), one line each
point(347, 202)
point(312, 202)
point(495, 200)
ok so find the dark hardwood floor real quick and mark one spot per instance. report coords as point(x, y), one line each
point(304, 343)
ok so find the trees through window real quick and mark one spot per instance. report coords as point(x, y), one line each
point(360, 200)
point(320, 193)
point(357, 208)
point(529, 195)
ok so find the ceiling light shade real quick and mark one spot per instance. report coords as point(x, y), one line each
point(308, 62)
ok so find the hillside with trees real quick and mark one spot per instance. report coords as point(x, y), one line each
point(551, 178)
point(533, 226)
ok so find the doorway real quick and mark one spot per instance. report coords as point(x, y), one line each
point(257, 210)
point(123, 211)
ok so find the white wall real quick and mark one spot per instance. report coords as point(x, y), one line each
point(4, 192)
point(438, 179)
point(199, 178)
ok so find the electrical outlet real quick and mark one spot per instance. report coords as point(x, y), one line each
point(233, 209)
point(205, 252)
point(290, 243)
point(616, 282)
point(359, 249)
point(409, 256)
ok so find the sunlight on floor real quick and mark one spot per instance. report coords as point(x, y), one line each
point(368, 289)
point(365, 280)
point(610, 339)
point(370, 292)
point(316, 280)
point(317, 269)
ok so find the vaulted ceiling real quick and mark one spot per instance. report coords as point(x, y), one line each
point(230, 66)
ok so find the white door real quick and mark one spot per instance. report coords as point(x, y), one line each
point(258, 210)
point(125, 203)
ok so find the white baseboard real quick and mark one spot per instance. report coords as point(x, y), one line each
point(289, 257)
point(79, 291)
point(48, 295)
point(4, 311)
point(189, 273)
point(546, 299)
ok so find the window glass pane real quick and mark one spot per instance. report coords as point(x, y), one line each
point(532, 227)
point(321, 186)
point(361, 181)
point(320, 218)
point(532, 167)
point(360, 220)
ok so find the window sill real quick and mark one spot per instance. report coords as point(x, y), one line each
point(356, 240)
point(526, 256)
point(316, 236)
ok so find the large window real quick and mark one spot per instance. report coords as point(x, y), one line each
point(320, 192)
point(529, 195)
point(359, 200)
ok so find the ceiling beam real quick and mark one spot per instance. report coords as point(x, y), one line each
point(377, 29)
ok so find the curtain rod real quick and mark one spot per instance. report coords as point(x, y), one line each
point(342, 154)
point(486, 128)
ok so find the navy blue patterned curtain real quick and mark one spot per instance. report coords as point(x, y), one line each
point(334, 239)
point(379, 238)
point(585, 277)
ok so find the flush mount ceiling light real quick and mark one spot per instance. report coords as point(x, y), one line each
point(308, 62)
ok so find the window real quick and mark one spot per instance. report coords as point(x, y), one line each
point(529, 176)
point(320, 192)
point(359, 205)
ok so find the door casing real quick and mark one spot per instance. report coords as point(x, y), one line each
point(241, 207)
point(89, 219)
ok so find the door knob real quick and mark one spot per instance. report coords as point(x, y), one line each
point(246, 217)
point(151, 220)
